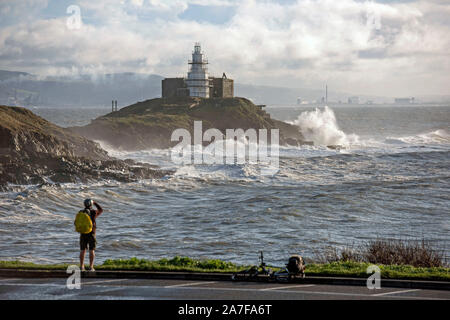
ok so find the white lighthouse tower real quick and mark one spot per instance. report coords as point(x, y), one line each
point(197, 80)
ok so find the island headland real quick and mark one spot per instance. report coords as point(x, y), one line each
point(35, 151)
point(149, 124)
point(198, 96)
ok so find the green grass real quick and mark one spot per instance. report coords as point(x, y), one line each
point(358, 269)
point(176, 113)
point(339, 269)
point(30, 265)
point(174, 264)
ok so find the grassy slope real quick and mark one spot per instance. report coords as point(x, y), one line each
point(135, 126)
point(171, 113)
point(341, 269)
point(16, 120)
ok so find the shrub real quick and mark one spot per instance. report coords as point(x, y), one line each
point(417, 253)
point(402, 252)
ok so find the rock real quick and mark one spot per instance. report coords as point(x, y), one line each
point(334, 147)
point(150, 124)
point(293, 142)
point(33, 150)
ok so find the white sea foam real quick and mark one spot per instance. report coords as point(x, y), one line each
point(195, 209)
point(320, 126)
point(245, 172)
point(440, 136)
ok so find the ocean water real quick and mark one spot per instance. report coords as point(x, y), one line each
point(389, 179)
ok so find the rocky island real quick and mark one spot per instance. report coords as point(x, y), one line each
point(149, 124)
point(184, 100)
point(35, 151)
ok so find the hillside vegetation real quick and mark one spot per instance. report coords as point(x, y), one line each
point(150, 124)
point(35, 151)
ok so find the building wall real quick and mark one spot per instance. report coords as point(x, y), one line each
point(404, 100)
point(198, 81)
point(183, 92)
point(228, 88)
point(216, 89)
point(353, 100)
point(173, 87)
point(222, 88)
point(176, 87)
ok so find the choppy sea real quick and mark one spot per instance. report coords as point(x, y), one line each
point(390, 179)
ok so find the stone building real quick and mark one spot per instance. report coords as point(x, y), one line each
point(221, 87)
point(198, 83)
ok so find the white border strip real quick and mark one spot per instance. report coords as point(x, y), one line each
point(189, 284)
point(393, 292)
point(100, 281)
point(288, 287)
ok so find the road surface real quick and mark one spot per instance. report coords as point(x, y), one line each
point(101, 288)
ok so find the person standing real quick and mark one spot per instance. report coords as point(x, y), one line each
point(88, 240)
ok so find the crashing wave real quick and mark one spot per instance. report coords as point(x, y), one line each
point(320, 126)
point(440, 136)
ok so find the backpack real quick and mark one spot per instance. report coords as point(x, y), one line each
point(83, 222)
point(296, 265)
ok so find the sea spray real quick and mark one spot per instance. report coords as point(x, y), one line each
point(235, 144)
point(440, 136)
point(320, 126)
point(315, 188)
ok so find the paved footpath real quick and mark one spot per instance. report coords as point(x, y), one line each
point(102, 288)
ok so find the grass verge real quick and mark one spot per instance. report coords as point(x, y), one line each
point(338, 269)
point(358, 269)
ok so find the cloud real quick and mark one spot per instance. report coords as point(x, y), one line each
point(214, 14)
point(359, 46)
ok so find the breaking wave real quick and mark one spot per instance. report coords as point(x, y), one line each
point(440, 136)
point(320, 126)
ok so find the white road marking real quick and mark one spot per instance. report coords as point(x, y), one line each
point(288, 287)
point(101, 281)
point(9, 279)
point(393, 292)
point(33, 284)
point(189, 284)
point(288, 291)
point(54, 284)
point(311, 292)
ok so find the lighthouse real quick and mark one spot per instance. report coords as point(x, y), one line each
point(197, 81)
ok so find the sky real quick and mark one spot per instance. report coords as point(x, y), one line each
point(384, 48)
